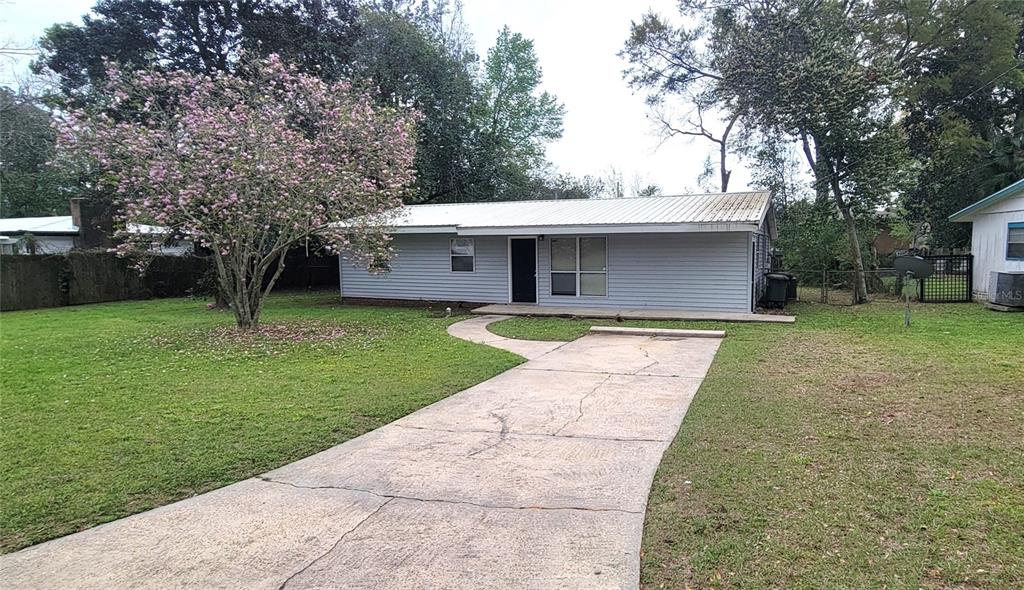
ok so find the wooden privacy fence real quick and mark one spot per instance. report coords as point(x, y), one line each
point(29, 282)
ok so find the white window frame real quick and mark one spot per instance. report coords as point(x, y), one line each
point(1013, 225)
point(451, 256)
point(578, 271)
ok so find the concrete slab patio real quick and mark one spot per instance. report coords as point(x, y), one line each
point(521, 309)
point(537, 478)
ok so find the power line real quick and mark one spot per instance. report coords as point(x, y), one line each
point(947, 108)
point(972, 93)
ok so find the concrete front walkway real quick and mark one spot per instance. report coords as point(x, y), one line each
point(537, 478)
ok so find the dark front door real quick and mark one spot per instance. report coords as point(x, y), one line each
point(524, 270)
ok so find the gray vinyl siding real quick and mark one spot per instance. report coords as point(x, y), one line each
point(762, 252)
point(421, 270)
point(694, 271)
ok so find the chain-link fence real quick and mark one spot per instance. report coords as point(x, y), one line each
point(882, 284)
point(809, 284)
point(835, 287)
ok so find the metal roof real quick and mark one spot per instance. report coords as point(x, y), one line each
point(60, 224)
point(697, 212)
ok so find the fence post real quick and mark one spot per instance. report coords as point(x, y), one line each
point(970, 278)
point(824, 286)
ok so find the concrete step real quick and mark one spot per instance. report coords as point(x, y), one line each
point(669, 332)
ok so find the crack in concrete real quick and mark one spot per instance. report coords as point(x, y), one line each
point(633, 374)
point(645, 367)
point(559, 347)
point(439, 500)
point(336, 543)
point(579, 415)
point(542, 434)
point(647, 355)
point(502, 434)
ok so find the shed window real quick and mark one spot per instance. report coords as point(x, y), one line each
point(463, 254)
point(1015, 241)
point(579, 266)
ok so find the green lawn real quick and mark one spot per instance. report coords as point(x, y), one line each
point(844, 452)
point(112, 409)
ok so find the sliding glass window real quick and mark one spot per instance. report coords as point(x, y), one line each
point(579, 266)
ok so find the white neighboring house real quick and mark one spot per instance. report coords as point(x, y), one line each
point(997, 234)
point(52, 235)
point(57, 235)
point(158, 236)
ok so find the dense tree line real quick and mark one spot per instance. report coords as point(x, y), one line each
point(27, 184)
point(912, 107)
point(915, 106)
point(483, 126)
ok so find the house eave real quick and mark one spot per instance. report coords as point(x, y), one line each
point(637, 228)
point(965, 215)
point(41, 233)
point(433, 229)
point(532, 230)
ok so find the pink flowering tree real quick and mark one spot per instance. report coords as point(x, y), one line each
point(247, 165)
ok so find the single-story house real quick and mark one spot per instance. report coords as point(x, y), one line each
point(997, 235)
point(62, 233)
point(50, 235)
point(700, 252)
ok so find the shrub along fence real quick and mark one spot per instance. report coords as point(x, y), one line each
point(29, 282)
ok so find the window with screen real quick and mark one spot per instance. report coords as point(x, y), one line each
point(579, 266)
point(463, 255)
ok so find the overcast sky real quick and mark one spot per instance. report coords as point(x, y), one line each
point(576, 41)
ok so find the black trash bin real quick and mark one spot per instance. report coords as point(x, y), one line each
point(790, 286)
point(776, 289)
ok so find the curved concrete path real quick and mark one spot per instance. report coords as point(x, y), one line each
point(537, 478)
point(475, 330)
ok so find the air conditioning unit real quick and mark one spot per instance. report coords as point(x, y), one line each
point(1006, 288)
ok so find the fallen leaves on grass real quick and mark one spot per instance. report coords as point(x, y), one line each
point(305, 332)
point(270, 339)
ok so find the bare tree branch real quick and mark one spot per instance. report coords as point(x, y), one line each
point(699, 129)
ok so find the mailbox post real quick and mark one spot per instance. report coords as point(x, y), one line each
point(916, 268)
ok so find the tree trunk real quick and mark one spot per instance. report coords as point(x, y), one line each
point(220, 301)
point(722, 169)
point(235, 285)
point(251, 294)
point(724, 172)
point(245, 321)
point(860, 288)
point(260, 293)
